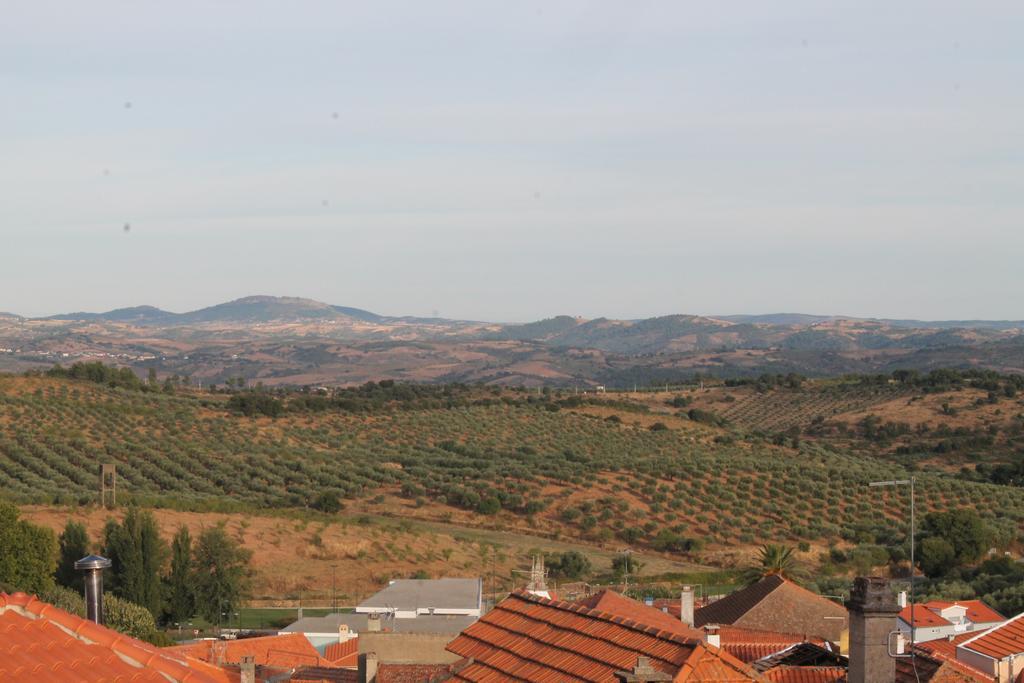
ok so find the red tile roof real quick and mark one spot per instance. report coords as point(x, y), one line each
point(940, 654)
point(777, 604)
point(320, 674)
point(287, 651)
point(711, 664)
point(923, 617)
point(411, 673)
point(1000, 641)
point(745, 644)
point(944, 647)
point(529, 638)
point(621, 606)
point(931, 669)
point(749, 645)
point(977, 611)
point(806, 674)
point(39, 642)
point(344, 654)
point(733, 606)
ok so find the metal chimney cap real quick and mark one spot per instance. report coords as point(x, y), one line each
point(92, 562)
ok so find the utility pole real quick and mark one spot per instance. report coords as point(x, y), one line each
point(627, 567)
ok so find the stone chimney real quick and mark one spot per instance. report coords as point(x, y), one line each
point(711, 636)
point(373, 622)
point(873, 610)
point(93, 566)
point(247, 669)
point(643, 672)
point(686, 605)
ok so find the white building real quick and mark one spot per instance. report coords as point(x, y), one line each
point(998, 652)
point(941, 619)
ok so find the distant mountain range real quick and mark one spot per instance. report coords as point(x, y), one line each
point(290, 340)
point(248, 309)
point(271, 308)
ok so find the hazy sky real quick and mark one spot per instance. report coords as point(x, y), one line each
point(515, 160)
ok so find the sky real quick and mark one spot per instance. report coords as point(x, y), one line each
point(512, 161)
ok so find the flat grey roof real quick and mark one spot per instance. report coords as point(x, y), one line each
point(427, 623)
point(412, 594)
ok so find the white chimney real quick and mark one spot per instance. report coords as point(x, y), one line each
point(686, 605)
point(903, 599)
point(711, 636)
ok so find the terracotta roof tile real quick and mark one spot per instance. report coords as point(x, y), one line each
point(931, 669)
point(776, 604)
point(1000, 641)
point(923, 617)
point(321, 674)
point(806, 674)
point(39, 642)
point(287, 651)
point(977, 611)
point(944, 647)
point(535, 639)
point(711, 664)
point(733, 606)
point(343, 654)
point(619, 605)
point(411, 673)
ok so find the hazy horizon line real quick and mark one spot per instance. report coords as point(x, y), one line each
point(721, 316)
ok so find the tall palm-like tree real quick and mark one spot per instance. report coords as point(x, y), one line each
point(774, 560)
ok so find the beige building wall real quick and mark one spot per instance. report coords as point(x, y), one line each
point(408, 648)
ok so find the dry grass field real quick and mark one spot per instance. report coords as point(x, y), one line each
point(296, 559)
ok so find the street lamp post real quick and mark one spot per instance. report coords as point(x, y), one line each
point(906, 482)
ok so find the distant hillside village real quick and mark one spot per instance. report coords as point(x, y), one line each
point(434, 630)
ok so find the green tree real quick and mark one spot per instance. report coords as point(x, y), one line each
point(329, 502)
point(936, 556)
point(139, 556)
point(626, 564)
point(964, 530)
point(774, 560)
point(221, 576)
point(28, 553)
point(571, 564)
point(74, 545)
point(180, 594)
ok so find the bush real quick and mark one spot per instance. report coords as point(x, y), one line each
point(937, 556)
point(489, 506)
point(251, 404)
point(329, 502)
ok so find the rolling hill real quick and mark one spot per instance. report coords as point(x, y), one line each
point(290, 340)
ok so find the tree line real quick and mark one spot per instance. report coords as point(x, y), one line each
point(206, 576)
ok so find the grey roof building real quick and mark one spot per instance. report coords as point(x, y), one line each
point(334, 624)
point(415, 598)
